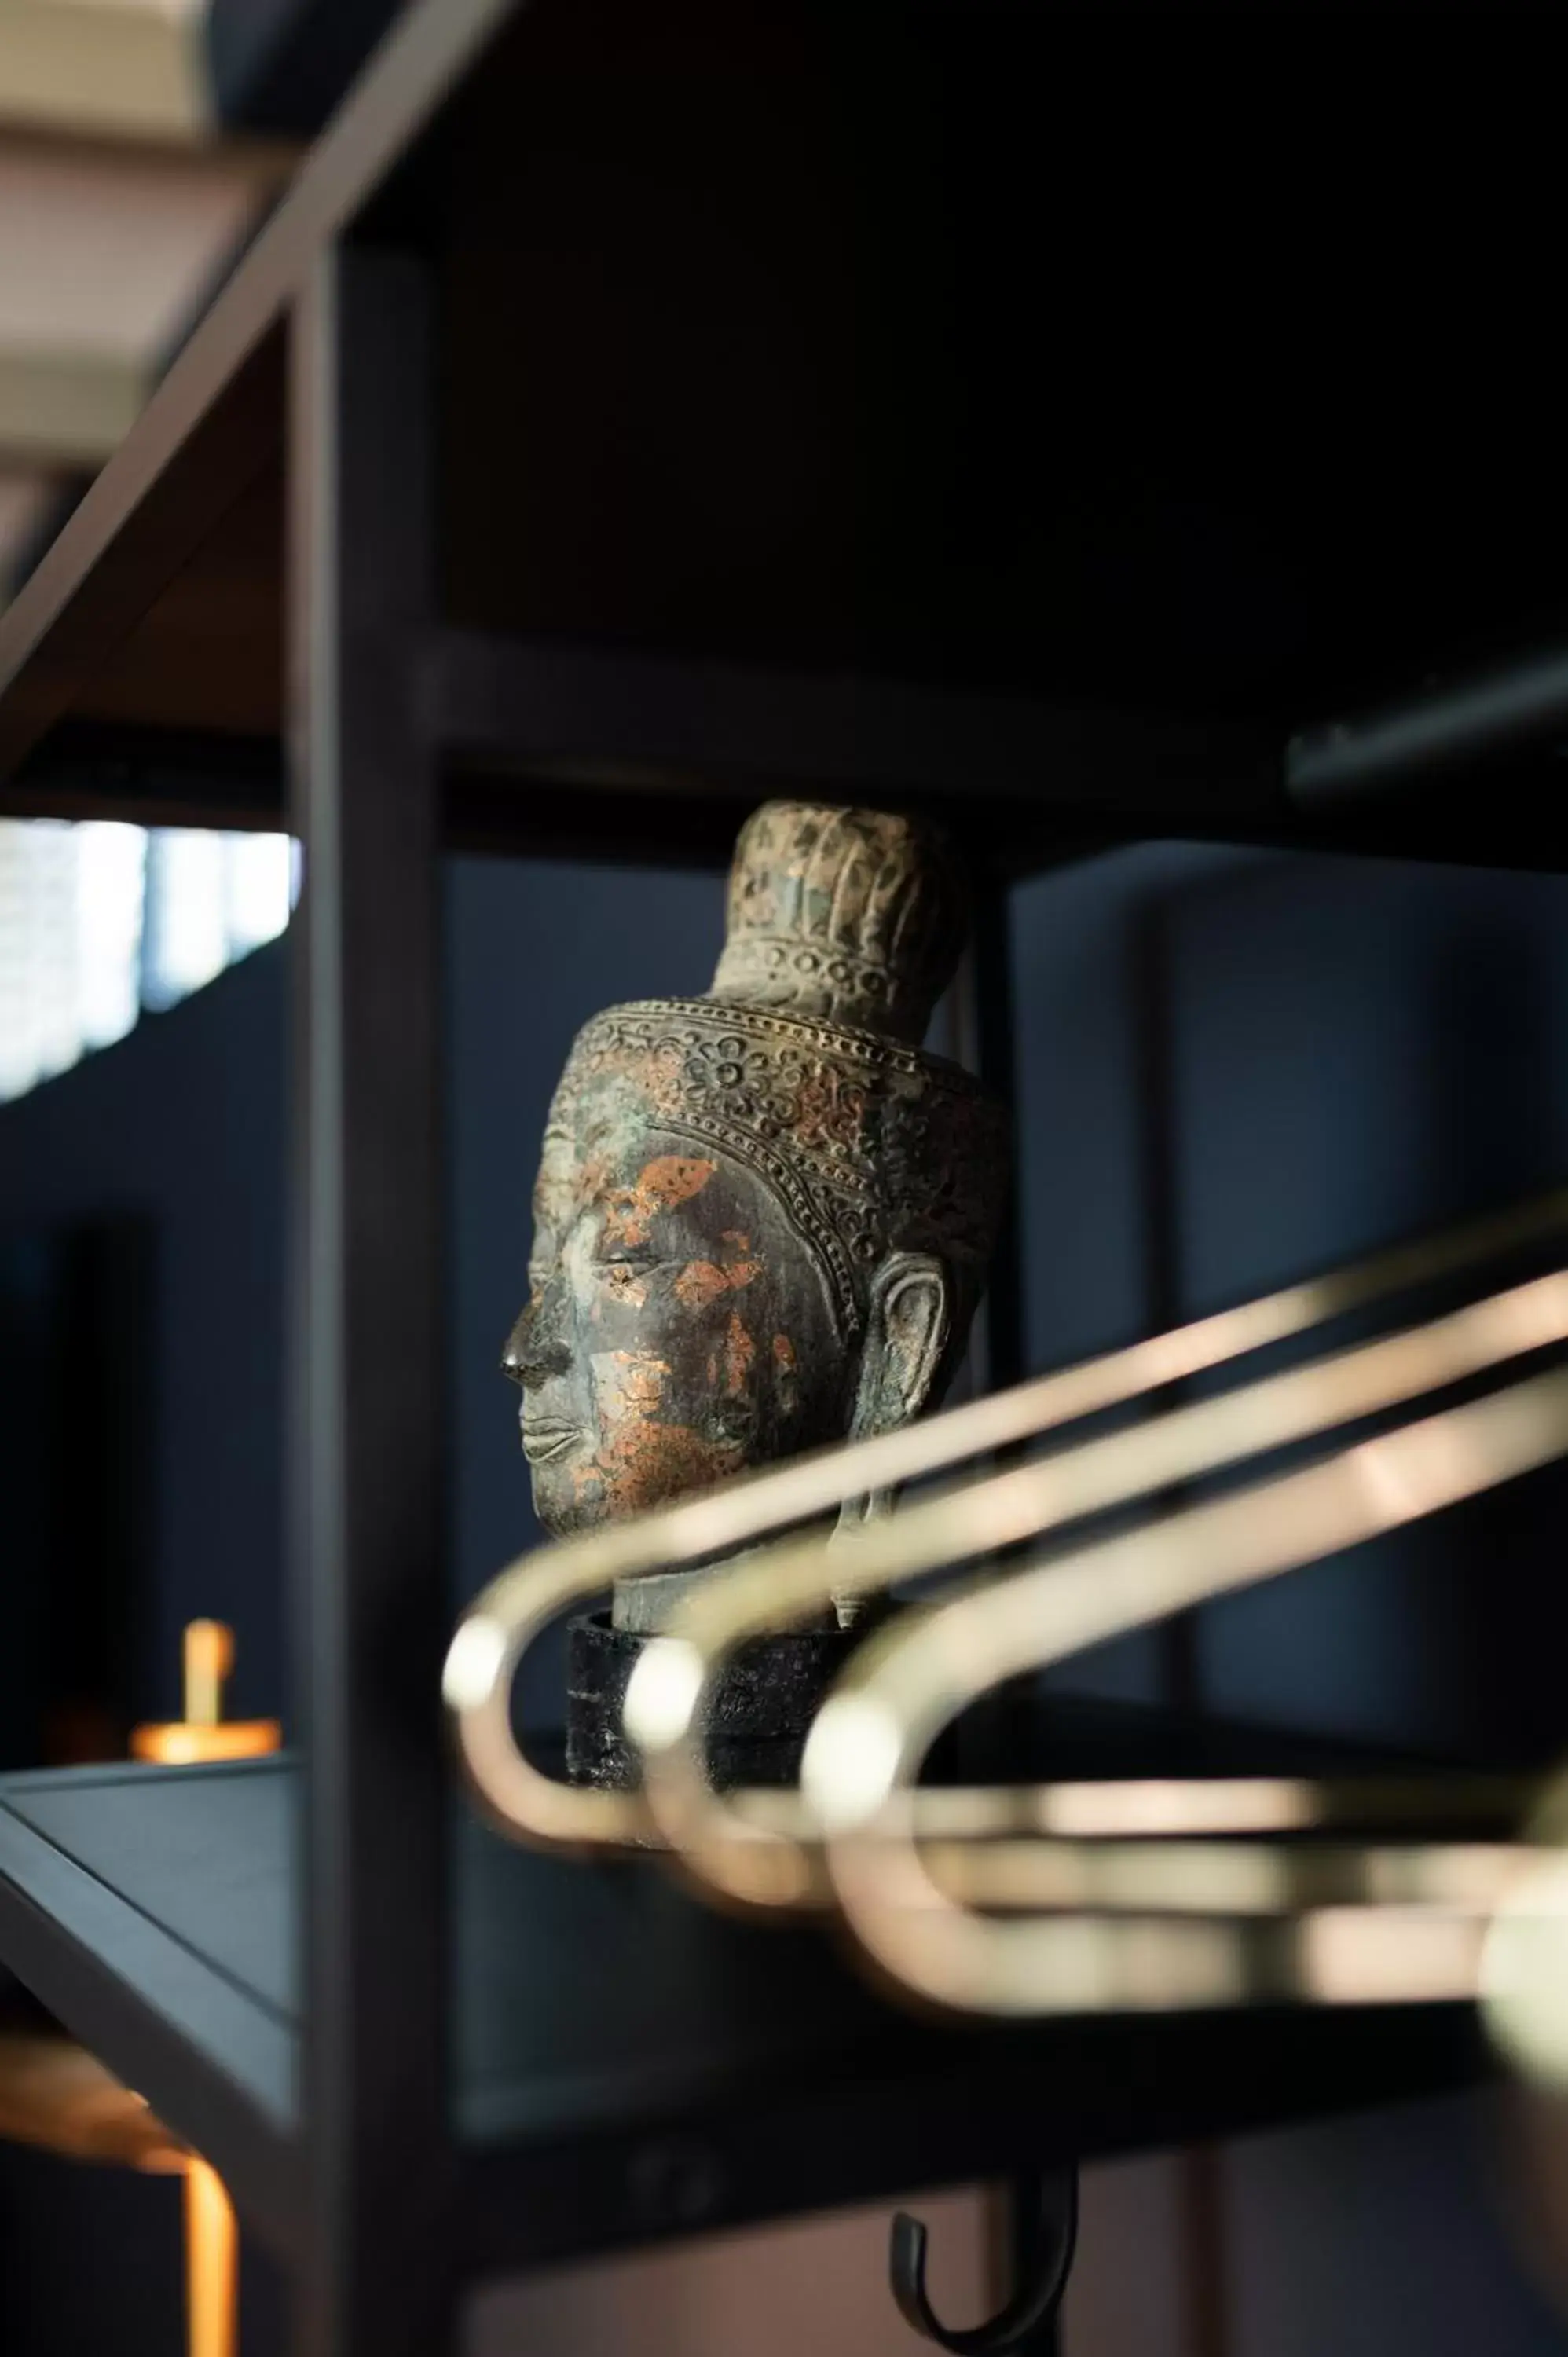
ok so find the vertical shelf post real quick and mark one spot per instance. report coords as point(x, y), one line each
point(366, 1439)
point(988, 1014)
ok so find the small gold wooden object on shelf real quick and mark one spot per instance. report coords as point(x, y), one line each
point(55, 2094)
point(203, 1736)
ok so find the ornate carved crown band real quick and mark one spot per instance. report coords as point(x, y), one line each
point(870, 1147)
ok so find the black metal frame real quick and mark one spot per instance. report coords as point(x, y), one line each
point(369, 1446)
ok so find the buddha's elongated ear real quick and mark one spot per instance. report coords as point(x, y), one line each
point(908, 1321)
point(909, 1325)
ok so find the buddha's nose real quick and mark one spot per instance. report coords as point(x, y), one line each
point(533, 1355)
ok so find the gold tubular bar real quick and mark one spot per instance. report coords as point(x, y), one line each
point(1145, 1808)
point(1087, 1965)
point(1224, 1878)
point(901, 1690)
point(503, 1622)
point(725, 1844)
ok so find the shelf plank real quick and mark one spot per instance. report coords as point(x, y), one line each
point(130, 1905)
point(628, 2064)
point(560, 748)
point(669, 724)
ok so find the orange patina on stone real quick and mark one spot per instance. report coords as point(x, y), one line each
point(640, 1461)
point(702, 1281)
point(739, 1353)
point(670, 1179)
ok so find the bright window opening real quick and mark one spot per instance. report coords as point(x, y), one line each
point(99, 922)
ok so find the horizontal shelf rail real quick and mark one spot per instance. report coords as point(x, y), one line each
point(546, 704)
point(1488, 720)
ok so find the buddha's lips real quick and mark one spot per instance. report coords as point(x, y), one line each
point(543, 1443)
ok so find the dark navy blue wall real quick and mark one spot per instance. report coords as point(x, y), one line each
point(1359, 1052)
point(1237, 1068)
point(180, 1126)
point(1090, 1160)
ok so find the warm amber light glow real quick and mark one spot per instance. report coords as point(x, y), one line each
point(179, 1744)
point(209, 1658)
point(204, 1735)
point(211, 2264)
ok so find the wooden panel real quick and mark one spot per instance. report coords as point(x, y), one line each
point(207, 656)
point(227, 449)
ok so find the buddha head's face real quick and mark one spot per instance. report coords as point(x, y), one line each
point(680, 1328)
point(677, 1330)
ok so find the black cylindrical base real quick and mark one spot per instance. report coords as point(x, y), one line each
point(762, 1709)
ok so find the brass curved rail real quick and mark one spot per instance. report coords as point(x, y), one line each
point(1420, 1942)
point(763, 1854)
point(497, 1629)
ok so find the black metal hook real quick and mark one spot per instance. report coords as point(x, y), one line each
point(1045, 2238)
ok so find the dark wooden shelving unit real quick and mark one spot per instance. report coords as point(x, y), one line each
point(627, 411)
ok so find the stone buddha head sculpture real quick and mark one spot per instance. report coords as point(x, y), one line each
point(763, 1216)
